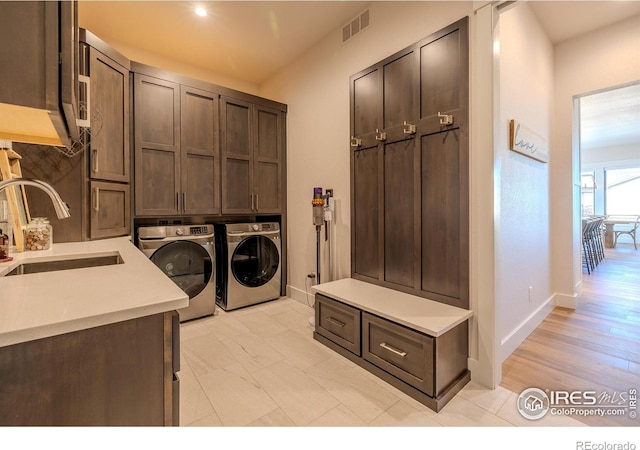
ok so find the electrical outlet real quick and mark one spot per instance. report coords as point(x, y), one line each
point(329, 192)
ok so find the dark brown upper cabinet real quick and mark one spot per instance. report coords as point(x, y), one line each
point(39, 72)
point(252, 142)
point(106, 104)
point(157, 146)
point(200, 154)
point(109, 110)
point(410, 169)
point(176, 149)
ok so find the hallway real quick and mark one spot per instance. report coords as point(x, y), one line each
point(595, 347)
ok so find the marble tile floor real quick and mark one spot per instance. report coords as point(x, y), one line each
point(260, 366)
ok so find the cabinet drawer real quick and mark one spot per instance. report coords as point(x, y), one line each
point(404, 353)
point(338, 322)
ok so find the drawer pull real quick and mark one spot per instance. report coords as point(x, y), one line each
point(393, 350)
point(335, 322)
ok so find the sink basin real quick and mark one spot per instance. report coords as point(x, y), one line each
point(65, 264)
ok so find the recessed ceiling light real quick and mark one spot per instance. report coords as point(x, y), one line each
point(201, 11)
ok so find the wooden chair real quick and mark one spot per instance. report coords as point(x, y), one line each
point(630, 231)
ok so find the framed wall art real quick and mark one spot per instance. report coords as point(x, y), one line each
point(527, 142)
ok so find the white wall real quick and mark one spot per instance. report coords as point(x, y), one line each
point(522, 216)
point(605, 58)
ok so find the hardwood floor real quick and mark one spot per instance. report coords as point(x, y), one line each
point(595, 347)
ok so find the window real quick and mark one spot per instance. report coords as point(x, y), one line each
point(622, 191)
point(588, 194)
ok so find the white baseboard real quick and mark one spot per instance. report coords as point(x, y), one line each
point(299, 295)
point(524, 329)
point(479, 376)
point(566, 301)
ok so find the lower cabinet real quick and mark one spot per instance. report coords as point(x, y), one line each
point(339, 323)
point(121, 374)
point(404, 353)
point(110, 209)
point(430, 369)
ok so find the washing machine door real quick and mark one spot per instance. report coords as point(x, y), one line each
point(255, 261)
point(187, 263)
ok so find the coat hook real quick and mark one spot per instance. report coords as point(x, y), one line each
point(381, 135)
point(409, 128)
point(355, 142)
point(445, 119)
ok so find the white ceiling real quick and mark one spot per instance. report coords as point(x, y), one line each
point(564, 20)
point(252, 40)
point(244, 40)
point(610, 118)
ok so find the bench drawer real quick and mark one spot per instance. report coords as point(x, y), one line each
point(338, 322)
point(400, 351)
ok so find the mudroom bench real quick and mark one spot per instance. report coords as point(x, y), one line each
point(420, 346)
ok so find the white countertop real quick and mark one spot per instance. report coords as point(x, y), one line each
point(39, 305)
point(428, 316)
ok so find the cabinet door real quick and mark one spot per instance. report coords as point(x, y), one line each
point(399, 213)
point(109, 154)
point(267, 160)
point(365, 234)
point(366, 105)
point(237, 164)
point(200, 152)
point(117, 374)
point(444, 157)
point(38, 75)
point(399, 93)
point(444, 73)
point(157, 146)
point(110, 210)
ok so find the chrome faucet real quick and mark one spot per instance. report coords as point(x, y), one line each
point(62, 209)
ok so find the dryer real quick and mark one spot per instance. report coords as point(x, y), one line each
point(249, 268)
point(186, 254)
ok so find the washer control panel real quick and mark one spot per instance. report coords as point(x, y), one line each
point(196, 230)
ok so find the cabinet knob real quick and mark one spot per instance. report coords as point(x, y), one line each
point(355, 142)
point(381, 135)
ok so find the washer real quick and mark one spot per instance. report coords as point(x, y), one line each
point(249, 269)
point(186, 254)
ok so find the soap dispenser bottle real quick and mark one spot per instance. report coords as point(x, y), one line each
point(4, 247)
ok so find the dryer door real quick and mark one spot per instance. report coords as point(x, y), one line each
point(255, 261)
point(188, 264)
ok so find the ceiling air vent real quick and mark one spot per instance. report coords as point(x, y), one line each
point(355, 26)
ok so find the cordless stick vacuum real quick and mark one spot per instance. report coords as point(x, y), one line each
point(318, 204)
point(318, 221)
